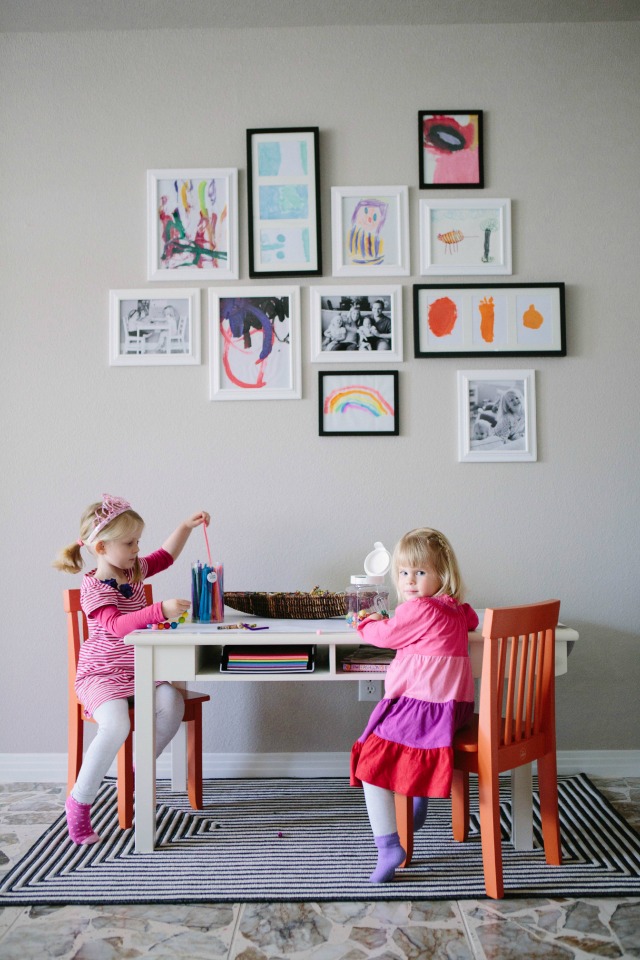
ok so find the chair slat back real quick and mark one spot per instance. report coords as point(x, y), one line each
point(517, 691)
point(78, 629)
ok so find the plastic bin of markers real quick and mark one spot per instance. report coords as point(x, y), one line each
point(207, 592)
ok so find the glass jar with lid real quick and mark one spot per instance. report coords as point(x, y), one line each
point(368, 593)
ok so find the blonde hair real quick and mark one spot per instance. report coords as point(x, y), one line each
point(425, 547)
point(69, 559)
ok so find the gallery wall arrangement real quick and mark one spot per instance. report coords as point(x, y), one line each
point(255, 330)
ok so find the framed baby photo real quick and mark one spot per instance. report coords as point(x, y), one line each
point(255, 343)
point(496, 415)
point(465, 237)
point(450, 149)
point(370, 231)
point(283, 184)
point(357, 403)
point(501, 319)
point(154, 327)
point(356, 324)
point(192, 224)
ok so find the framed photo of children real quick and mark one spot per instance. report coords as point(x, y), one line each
point(502, 319)
point(496, 415)
point(354, 403)
point(465, 237)
point(283, 172)
point(146, 329)
point(359, 324)
point(255, 343)
point(192, 224)
point(450, 149)
point(370, 231)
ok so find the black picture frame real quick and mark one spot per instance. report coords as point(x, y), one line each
point(488, 320)
point(456, 147)
point(283, 188)
point(367, 401)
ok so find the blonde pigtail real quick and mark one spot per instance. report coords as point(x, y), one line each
point(69, 559)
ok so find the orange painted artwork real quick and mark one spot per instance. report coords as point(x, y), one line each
point(532, 318)
point(487, 318)
point(442, 315)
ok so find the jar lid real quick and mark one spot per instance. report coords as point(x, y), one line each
point(362, 580)
point(377, 562)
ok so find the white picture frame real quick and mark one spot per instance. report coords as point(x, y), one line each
point(153, 327)
point(465, 237)
point(370, 231)
point(496, 416)
point(356, 323)
point(255, 349)
point(192, 224)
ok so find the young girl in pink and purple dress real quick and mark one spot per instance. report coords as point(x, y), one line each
point(406, 747)
point(113, 601)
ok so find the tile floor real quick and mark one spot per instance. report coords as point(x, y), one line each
point(451, 930)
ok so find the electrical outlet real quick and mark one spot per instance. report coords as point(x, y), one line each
point(369, 689)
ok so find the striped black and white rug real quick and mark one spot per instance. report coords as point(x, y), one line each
point(309, 840)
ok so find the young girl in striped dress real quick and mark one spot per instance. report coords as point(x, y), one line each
point(406, 747)
point(113, 601)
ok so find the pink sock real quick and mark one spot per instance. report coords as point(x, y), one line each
point(390, 856)
point(79, 821)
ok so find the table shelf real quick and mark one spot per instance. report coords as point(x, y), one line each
point(327, 664)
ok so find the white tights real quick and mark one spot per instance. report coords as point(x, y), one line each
point(113, 723)
point(381, 808)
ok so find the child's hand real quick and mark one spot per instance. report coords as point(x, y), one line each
point(372, 616)
point(174, 608)
point(197, 519)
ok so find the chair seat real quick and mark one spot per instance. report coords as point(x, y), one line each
point(466, 738)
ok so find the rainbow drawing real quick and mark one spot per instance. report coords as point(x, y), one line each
point(358, 397)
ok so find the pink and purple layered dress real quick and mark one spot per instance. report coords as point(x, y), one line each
point(429, 694)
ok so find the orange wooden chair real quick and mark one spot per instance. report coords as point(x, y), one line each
point(513, 728)
point(77, 632)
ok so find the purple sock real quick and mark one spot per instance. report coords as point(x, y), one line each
point(390, 856)
point(79, 821)
point(420, 806)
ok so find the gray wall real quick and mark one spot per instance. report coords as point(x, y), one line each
point(84, 115)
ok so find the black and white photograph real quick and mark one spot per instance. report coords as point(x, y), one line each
point(356, 324)
point(145, 329)
point(497, 415)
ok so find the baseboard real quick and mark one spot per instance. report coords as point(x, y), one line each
point(52, 767)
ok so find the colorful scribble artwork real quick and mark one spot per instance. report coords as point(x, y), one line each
point(255, 334)
point(256, 344)
point(192, 217)
point(370, 231)
point(359, 404)
point(365, 244)
point(192, 224)
point(450, 149)
point(284, 217)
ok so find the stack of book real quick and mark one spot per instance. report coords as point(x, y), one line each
point(368, 660)
point(271, 659)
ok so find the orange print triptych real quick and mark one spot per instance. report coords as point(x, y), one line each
point(494, 319)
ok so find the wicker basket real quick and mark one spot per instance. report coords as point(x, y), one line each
point(288, 606)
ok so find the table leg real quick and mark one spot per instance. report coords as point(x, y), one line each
point(145, 738)
point(179, 760)
point(522, 808)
